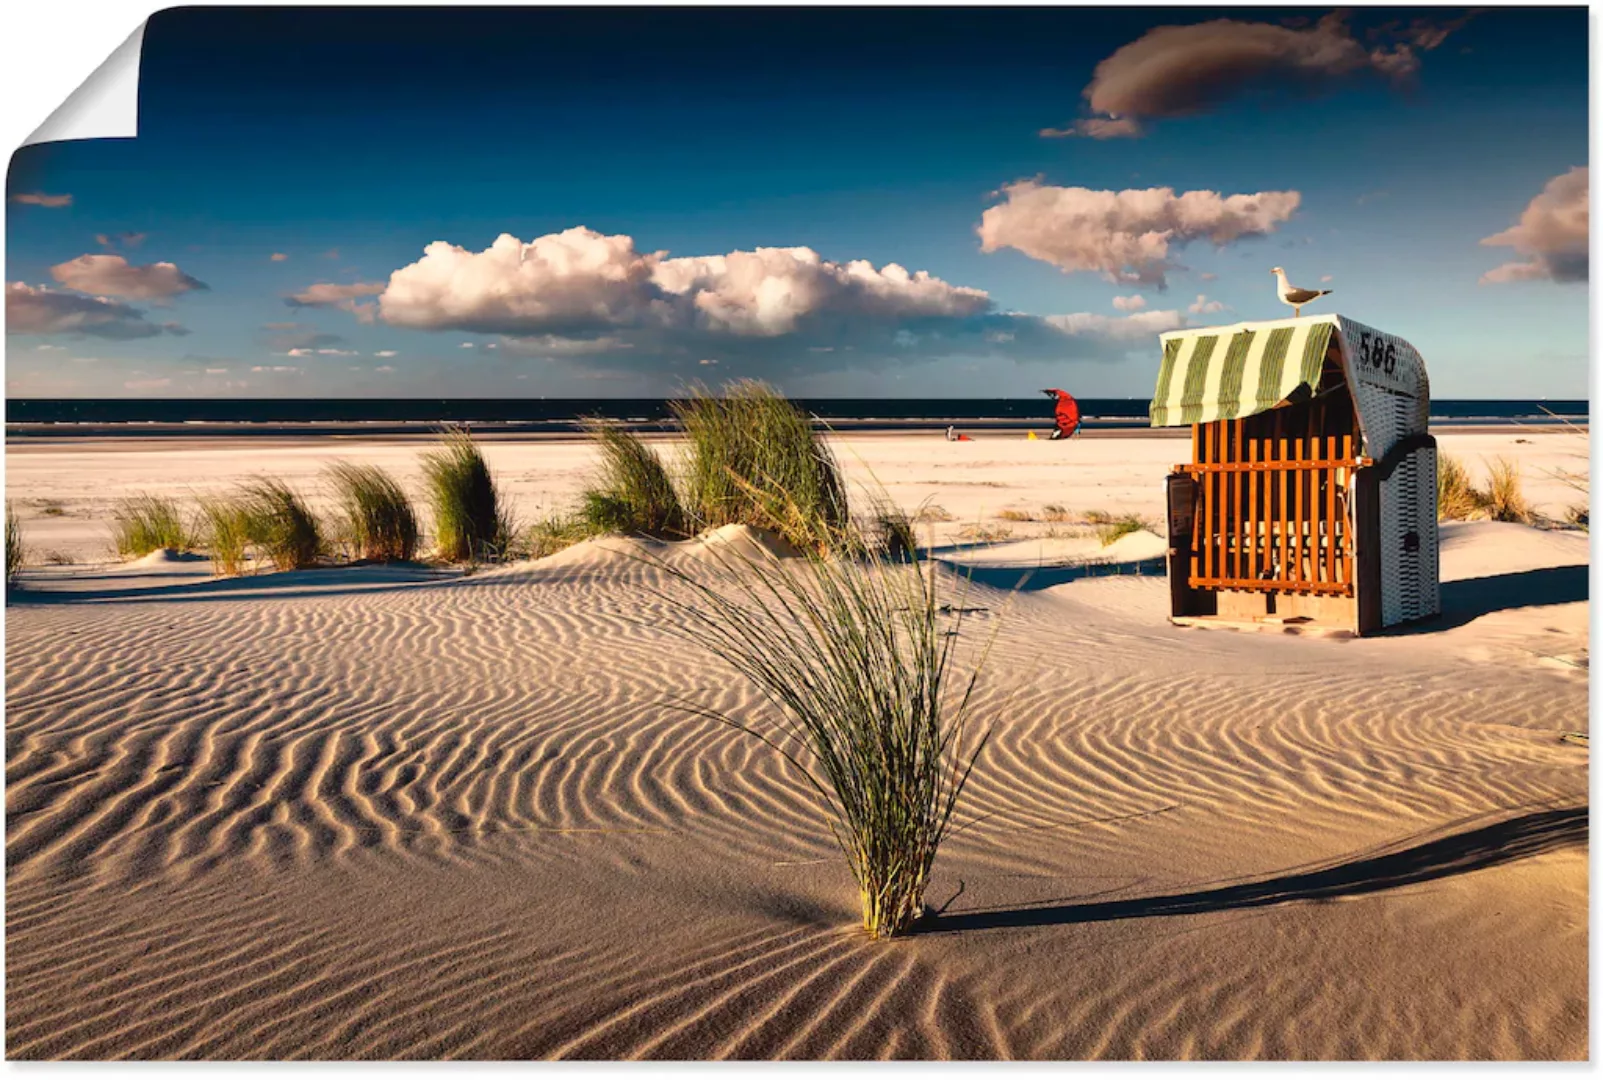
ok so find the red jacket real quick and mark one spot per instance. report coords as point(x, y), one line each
point(1068, 412)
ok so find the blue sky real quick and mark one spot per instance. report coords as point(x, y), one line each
point(348, 141)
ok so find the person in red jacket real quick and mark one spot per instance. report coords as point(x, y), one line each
point(1068, 413)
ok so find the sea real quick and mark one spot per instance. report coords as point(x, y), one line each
point(102, 416)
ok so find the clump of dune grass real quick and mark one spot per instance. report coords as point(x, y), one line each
point(984, 534)
point(1055, 512)
point(753, 458)
point(226, 533)
point(1456, 497)
point(470, 522)
point(145, 523)
point(280, 524)
point(549, 535)
point(16, 551)
point(1111, 527)
point(1015, 515)
point(1578, 516)
point(891, 531)
point(376, 521)
point(856, 659)
point(632, 492)
point(933, 513)
point(1505, 493)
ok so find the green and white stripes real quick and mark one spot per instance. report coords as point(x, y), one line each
point(1222, 373)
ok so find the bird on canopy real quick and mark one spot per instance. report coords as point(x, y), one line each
point(1067, 413)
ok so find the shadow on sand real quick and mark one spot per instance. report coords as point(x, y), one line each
point(1459, 853)
point(1468, 599)
point(191, 587)
point(1031, 578)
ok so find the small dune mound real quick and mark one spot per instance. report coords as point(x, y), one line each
point(1136, 546)
point(165, 557)
point(743, 541)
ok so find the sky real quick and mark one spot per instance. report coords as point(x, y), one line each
point(855, 203)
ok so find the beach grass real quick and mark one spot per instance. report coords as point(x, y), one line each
point(855, 658)
point(892, 531)
point(471, 523)
point(280, 524)
point(226, 526)
point(376, 522)
point(1015, 516)
point(632, 492)
point(145, 523)
point(1456, 497)
point(752, 458)
point(1504, 496)
point(1112, 527)
point(549, 535)
point(16, 550)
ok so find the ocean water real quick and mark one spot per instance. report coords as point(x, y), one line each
point(558, 414)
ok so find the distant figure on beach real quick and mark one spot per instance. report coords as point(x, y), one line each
point(1068, 414)
point(953, 436)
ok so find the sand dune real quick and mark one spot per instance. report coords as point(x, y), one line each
point(393, 813)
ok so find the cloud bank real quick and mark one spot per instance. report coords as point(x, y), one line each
point(1552, 234)
point(41, 310)
point(1126, 236)
point(582, 296)
point(113, 275)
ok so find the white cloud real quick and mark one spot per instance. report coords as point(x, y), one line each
point(217, 371)
point(277, 256)
point(1140, 327)
point(1553, 234)
point(1204, 306)
point(41, 310)
point(113, 275)
point(385, 353)
point(280, 369)
point(580, 283)
point(1127, 235)
point(384, 368)
point(1129, 303)
point(49, 348)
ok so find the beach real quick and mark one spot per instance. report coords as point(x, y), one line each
point(420, 812)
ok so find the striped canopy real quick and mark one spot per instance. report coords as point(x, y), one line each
point(1227, 372)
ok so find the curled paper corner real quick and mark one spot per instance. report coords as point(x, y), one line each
point(106, 105)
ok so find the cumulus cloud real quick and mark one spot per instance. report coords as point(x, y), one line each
point(582, 283)
point(1140, 327)
point(286, 336)
point(277, 256)
point(321, 352)
point(1175, 71)
point(41, 310)
point(1552, 234)
point(1124, 235)
point(385, 353)
point(1129, 303)
point(39, 198)
point(113, 275)
point(1204, 306)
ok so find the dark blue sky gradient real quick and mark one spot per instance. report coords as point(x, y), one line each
point(872, 134)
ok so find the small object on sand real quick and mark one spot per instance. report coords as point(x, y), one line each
point(1290, 294)
point(1579, 738)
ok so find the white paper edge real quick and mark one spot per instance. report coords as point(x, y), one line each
point(106, 106)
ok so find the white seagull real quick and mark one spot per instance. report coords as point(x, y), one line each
point(1290, 294)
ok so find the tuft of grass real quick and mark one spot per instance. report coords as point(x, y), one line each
point(1055, 512)
point(376, 522)
point(227, 529)
point(54, 557)
point(1578, 516)
point(552, 534)
point(1015, 515)
point(145, 523)
point(1505, 493)
point(933, 513)
point(984, 534)
point(1110, 527)
point(855, 658)
point(278, 522)
point(892, 533)
point(1456, 497)
point(753, 458)
point(470, 522)
point(632, 492)
point(16, 551)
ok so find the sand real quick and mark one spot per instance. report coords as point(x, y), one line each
point(408, 813)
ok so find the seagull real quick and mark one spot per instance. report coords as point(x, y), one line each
point(1290, 294)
